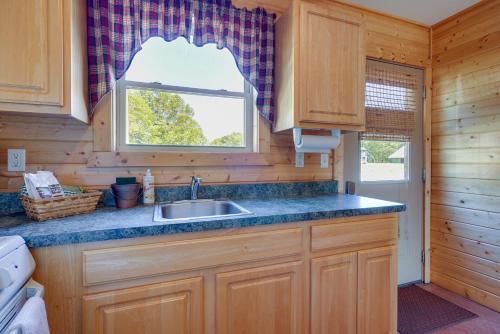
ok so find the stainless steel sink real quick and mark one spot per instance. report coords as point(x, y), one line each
point(197, 209)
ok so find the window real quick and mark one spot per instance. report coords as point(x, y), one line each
point(391, 100)
point(176, 96)
point(383, 160)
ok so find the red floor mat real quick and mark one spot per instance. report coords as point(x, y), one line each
point(420, 311)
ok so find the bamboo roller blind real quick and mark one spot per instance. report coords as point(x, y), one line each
point(390, 103)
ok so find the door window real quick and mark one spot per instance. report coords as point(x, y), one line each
point(383, 160)
point(391, 99)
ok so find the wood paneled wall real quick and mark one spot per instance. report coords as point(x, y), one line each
point(387, 37)
point(465, 210)
point(64, 146)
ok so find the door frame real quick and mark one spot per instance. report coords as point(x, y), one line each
point(427, 142)
point(427, 167)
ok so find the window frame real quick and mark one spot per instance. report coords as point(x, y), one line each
point(121, 117)
point(407, 166)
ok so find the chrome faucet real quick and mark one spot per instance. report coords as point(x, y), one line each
point(195, 185)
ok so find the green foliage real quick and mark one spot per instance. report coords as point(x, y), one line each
point(379, 151)
point(161, 118)
point(232, 140)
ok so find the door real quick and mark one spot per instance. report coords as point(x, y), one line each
point(334, 294)
point(31, 60)
point(262, 300)
point(332, 65)
point(377, 291)
point(390, 166)
point(166, 308)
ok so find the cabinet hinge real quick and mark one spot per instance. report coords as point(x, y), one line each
point(424, 175)
point(422, 257)
point(424, 92)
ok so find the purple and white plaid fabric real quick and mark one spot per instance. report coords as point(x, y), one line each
point(117, 29)
point(249, 36)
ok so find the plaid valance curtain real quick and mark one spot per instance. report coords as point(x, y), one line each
point(117, 29)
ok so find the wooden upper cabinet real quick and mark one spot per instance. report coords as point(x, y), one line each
point(334, 294)
point(320, 67)
point(31, 60)
point(43, 58)
point(259, 300)
point(165, 308)
point(377, 291)
point(332, 71)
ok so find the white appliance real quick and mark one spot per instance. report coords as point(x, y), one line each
point(16, 286)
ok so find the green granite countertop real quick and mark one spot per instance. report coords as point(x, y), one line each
point(111, 223)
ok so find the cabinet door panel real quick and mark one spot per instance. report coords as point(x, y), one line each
point(263, 300)
point(332, 66)
point(334, 294)
point(166, 308)
point(377, 290)
point(31, 61)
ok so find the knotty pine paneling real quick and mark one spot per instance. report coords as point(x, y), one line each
point(467, 261)
point(465, 211)
point(476, 217)
point(468, 186)
point(387, 37)
point(64, 146)
point(469, 231)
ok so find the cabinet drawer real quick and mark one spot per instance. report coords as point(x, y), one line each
point(353, 233)
point(120, 263)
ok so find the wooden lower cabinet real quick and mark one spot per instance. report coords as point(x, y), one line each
point(377, 290)
point(165, 308)
point(354, 292)
point(320, 277)
point(263, 300)
point(333, 294)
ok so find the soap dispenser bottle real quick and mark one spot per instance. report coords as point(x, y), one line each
point(148, 188)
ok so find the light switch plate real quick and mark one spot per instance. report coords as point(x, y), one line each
point(16, 160)
point(299, 159)
point(324, 160)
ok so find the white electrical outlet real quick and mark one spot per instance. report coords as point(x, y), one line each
point(324, 160)
point(16, 160)
point(299, 159)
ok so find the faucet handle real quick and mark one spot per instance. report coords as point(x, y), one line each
point(196, 179)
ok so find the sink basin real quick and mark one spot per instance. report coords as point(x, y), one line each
point(197, 209)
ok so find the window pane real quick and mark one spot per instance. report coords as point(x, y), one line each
point(383, 160)
point(158, 117)
point(179, 63)
point(389, 97)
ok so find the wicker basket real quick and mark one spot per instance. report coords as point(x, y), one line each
point(50, 208)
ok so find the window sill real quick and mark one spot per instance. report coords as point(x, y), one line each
point(177, 159)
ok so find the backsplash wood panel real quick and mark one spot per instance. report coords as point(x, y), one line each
point(64, 147)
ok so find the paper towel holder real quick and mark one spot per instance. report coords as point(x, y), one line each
point(297, 139)
point(301, 147)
